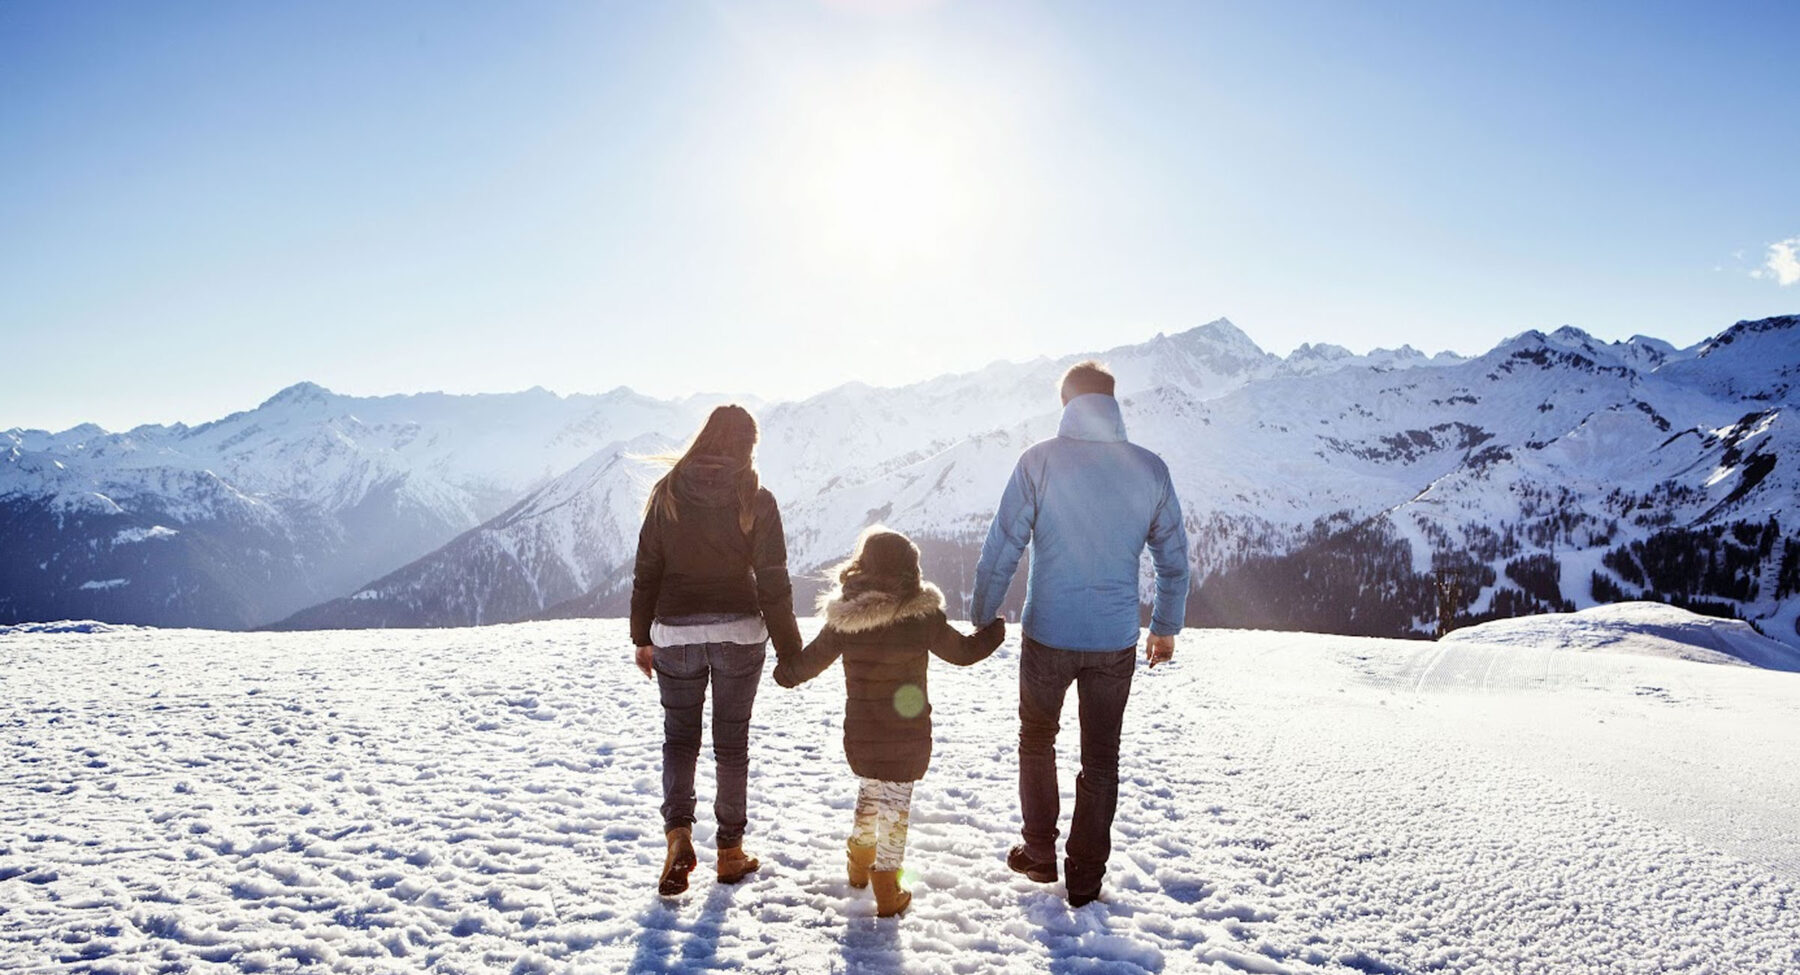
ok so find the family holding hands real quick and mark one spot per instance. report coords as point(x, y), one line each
point(711, 590)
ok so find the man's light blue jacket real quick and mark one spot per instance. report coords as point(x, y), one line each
point(1087, 502)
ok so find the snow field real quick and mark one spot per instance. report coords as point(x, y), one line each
point(486, 800)
point(1646, 629)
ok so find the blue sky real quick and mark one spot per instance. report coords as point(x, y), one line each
point(201, 203)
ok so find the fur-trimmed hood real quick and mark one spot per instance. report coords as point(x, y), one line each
point(872, 609)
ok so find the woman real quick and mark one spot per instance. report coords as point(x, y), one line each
point(711, 587)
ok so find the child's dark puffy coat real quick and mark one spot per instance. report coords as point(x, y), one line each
point(885, 640)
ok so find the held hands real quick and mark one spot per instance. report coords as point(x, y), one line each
point(1159, 649)
point(645, 658)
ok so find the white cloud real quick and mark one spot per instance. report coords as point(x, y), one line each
point(1783, 264)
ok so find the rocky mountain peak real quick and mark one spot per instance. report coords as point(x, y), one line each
point(299, 394)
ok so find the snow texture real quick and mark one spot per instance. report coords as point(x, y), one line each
point(1645, 628)
point(484, 799)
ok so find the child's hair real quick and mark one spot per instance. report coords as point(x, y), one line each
point(884, 561)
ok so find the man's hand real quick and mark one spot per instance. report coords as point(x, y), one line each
point(1159, 649)
point(646, 656)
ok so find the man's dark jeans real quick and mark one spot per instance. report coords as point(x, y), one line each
point(681, 674)
point(1103, 683)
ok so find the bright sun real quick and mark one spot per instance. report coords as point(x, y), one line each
point(887, 179)
point(893, 190)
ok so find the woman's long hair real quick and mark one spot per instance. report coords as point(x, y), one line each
point(727, 442)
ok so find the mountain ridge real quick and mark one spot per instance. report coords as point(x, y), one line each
point(1275, 456)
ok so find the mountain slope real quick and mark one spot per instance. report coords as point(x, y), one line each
point(819, 456)
point(247, 519)
point(1673, 484)
point(559, 542)
point(1322, 491)
point(1385, 494)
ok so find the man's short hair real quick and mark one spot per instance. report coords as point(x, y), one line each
point(1086, 377)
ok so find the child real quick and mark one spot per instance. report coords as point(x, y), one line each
point(882, 620)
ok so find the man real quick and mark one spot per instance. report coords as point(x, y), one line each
point(1087, 502)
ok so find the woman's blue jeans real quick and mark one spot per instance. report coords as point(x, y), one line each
point(682, 673)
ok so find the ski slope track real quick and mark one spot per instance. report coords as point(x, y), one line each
point(484, 799)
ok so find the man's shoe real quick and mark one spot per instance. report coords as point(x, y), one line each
point(1084, 882)
point(1041, 871)
point(735, 864)
point(677, 863)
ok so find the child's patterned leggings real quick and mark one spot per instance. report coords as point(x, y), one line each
point(889, 805)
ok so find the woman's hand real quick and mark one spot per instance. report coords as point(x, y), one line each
point(646, 658)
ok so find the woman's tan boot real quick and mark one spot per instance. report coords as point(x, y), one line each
point(735, 864)
point(679, 861)
point(890, 897)
point(860, 859)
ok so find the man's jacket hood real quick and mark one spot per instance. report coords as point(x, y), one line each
point(1093, 416)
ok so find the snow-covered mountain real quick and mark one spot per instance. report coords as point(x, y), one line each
point(567, 538)
point(244, 520)
point(838, 461)
point(1324, 491)
point(1390, 493)
point(1550, 474)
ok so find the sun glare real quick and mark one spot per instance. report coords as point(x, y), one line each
point(888, 177)
point(892, 191)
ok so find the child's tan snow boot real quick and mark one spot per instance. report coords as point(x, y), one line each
point(860, 859)
point(890, 897)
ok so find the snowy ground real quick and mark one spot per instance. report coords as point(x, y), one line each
point(1646, 629)
point(485, 800)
